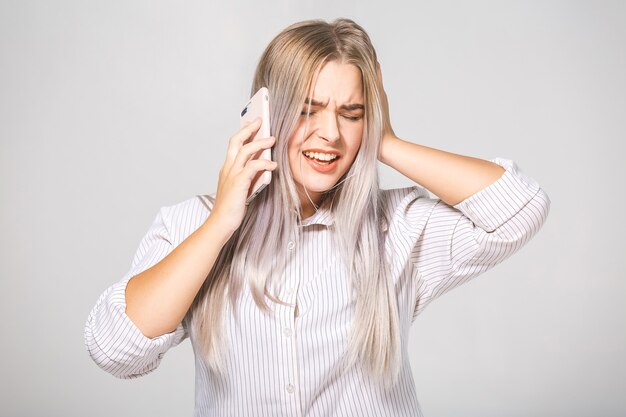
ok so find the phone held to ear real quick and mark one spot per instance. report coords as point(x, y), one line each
point(258, 105)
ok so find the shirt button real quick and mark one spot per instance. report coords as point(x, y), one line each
point(291, 245)
point(290, 388)
point(287, 332)
point(290, 291)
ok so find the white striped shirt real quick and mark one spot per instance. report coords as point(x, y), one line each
point(286, 365)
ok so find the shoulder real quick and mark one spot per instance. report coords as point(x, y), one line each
point(398, 201)
point(394, 196)
point(186, 216)
point(407, 208)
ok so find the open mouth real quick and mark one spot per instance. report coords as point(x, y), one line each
point(321, 158)
point(321, 162)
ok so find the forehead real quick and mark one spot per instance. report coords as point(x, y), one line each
point(340, 83)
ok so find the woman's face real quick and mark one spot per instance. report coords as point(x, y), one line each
point(322, 149)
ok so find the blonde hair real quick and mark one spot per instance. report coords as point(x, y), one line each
point(287, 68)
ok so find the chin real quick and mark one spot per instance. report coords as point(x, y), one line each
point(317, 186)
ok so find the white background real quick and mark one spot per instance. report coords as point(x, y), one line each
point(111, 109)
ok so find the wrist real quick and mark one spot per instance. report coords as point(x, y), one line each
point(216, 229)
point(385, 152)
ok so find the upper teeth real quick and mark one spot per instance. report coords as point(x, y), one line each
point(321, 156)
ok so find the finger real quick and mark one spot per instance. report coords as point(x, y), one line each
point(248, 150)
point(253, 169)
point(235, 142)
point(245, 133)
point(256, 165)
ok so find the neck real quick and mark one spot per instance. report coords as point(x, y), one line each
point(307, 209)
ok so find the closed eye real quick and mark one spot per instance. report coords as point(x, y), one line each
point(351, 118)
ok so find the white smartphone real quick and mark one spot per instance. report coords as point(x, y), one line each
point(258, 105)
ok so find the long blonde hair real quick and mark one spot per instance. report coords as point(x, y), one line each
point(287, 68)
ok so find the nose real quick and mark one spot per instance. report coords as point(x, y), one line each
point(328, 128)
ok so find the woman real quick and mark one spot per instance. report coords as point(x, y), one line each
point(301, 303)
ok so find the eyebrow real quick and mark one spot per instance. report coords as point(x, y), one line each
point(348, 107)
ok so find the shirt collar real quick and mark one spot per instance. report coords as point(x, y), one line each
point(324, 216)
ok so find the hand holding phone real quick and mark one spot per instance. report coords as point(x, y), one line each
point(248, 165)
point(237, 174)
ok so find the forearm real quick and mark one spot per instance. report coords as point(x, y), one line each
point(158, 298)
point(451, 177)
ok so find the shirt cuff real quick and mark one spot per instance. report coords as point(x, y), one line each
point(495, 204)
point(117, 344)
point(139, 341)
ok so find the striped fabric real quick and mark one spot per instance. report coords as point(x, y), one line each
point(287, 365)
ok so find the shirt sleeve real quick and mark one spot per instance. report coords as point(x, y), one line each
point(113, 341)
point(459, 242)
